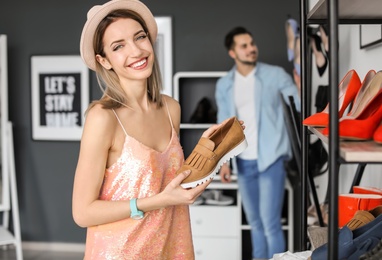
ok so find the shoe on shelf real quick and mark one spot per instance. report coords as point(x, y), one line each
point(354, 243)
point(362, 217)
point(313, 216)
point(374, 254)
point(204, 112)
point(210, 153)
point(366, 115)
point(349, 204)
point(361, 92)
point(367, 190)
point(377, 136)
point(216, 197)
point(348, 89)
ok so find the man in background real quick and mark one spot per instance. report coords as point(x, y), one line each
point(251, 91)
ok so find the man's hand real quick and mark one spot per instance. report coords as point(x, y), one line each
point(225, 173)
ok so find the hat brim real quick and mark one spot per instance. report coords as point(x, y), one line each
point(99, 12)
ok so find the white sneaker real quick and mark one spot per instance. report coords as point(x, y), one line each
point(216, 197)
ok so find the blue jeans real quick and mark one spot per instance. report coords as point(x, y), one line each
point(262, 195)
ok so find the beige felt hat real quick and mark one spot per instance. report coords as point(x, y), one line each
point(98, 12)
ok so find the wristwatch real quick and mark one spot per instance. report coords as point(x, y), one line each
point(135, 212)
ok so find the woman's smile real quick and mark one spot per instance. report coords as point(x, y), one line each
point(141, 64)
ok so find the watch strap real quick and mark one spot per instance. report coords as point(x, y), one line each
point(135, 212)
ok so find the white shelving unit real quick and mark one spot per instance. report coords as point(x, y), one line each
point(217, 230)
point(189, 89)
point(8, 201)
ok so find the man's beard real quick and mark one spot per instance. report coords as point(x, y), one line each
point(250, 63)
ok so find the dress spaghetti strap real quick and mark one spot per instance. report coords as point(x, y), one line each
point(119, 121)
point(168, 112)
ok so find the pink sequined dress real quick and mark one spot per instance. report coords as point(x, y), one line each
point(142, 172)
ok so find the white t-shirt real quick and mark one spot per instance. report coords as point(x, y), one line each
point(244, 97)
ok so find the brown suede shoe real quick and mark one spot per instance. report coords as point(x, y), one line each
point(210, 153)
point(362, 217)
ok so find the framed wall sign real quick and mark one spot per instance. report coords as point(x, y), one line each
point(163, 50)
point(60, 96)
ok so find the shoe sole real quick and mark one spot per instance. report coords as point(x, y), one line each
point(234, 152)
point(219, 202)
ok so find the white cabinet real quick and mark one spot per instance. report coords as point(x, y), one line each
point(219, 232)
point(216, 229)
point(214, 221)
point(215, 248)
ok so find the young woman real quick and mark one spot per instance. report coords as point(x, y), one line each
point(126, 190)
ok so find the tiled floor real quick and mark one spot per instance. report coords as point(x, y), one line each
point(10, 254)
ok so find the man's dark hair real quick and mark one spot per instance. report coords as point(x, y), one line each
point(231, 34)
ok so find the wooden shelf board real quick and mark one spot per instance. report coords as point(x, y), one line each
point(355, 151)
point(349, 10)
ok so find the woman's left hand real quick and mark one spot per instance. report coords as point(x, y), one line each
point(176, 195)
point(214, 127)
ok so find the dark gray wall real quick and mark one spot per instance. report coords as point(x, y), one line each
point(45, 169)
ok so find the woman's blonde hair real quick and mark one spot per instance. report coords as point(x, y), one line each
point(113, 94)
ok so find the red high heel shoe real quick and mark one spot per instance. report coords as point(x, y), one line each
point(366, 114)
point(348, 89)
point(362, 90)
point(358, 99)
point(377, 136)
point(367, 190)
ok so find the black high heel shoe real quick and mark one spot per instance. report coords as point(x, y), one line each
point(321, 59)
